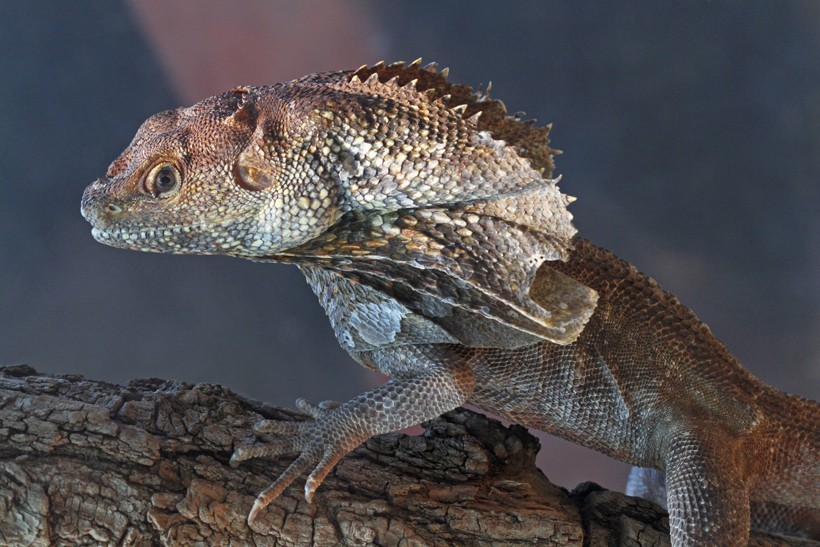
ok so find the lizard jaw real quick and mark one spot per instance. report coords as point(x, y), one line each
point(171, 239)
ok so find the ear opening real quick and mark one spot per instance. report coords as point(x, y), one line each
point(253, 169)
point(250, 176)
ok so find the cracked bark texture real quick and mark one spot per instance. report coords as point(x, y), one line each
point(91, 463)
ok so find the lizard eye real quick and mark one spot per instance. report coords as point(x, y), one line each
point(163, 180)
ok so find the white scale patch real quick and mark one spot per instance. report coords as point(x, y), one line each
point(378, 324)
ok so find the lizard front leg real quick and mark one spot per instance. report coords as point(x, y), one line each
point(419, 393)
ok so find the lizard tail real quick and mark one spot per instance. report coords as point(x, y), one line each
point(785, 486)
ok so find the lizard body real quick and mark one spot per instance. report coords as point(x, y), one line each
point(426, 221)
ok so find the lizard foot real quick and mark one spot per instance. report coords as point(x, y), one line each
point(320, 442)
point(334, 429)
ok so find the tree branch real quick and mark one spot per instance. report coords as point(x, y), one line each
point(86, 462)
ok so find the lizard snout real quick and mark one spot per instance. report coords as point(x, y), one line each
point(96, 206)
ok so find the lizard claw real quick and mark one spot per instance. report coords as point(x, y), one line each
point(257, 506)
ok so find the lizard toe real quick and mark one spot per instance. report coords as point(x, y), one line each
point(325, 466)
point(280, 427)
point(294, 470)
point(269, 450)
point(316, 410)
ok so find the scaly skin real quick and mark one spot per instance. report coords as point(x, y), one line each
point(426, 221)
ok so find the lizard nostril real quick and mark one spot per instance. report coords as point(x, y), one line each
point(113, 209)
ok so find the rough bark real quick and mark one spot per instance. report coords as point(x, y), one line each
point(86, 462)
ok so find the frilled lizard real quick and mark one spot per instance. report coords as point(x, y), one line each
point(427, 222)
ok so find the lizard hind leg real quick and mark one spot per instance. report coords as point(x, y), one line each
point(707, 493)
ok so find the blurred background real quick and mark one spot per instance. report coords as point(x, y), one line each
point(691, 134)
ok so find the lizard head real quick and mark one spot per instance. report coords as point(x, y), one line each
point(390, 174)
point(209, 179)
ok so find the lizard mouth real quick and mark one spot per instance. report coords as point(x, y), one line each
point(137, 235)
point(189, 239)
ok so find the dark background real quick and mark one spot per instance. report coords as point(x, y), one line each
point(691, 135)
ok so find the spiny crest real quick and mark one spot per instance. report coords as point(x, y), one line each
point(476, 106)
